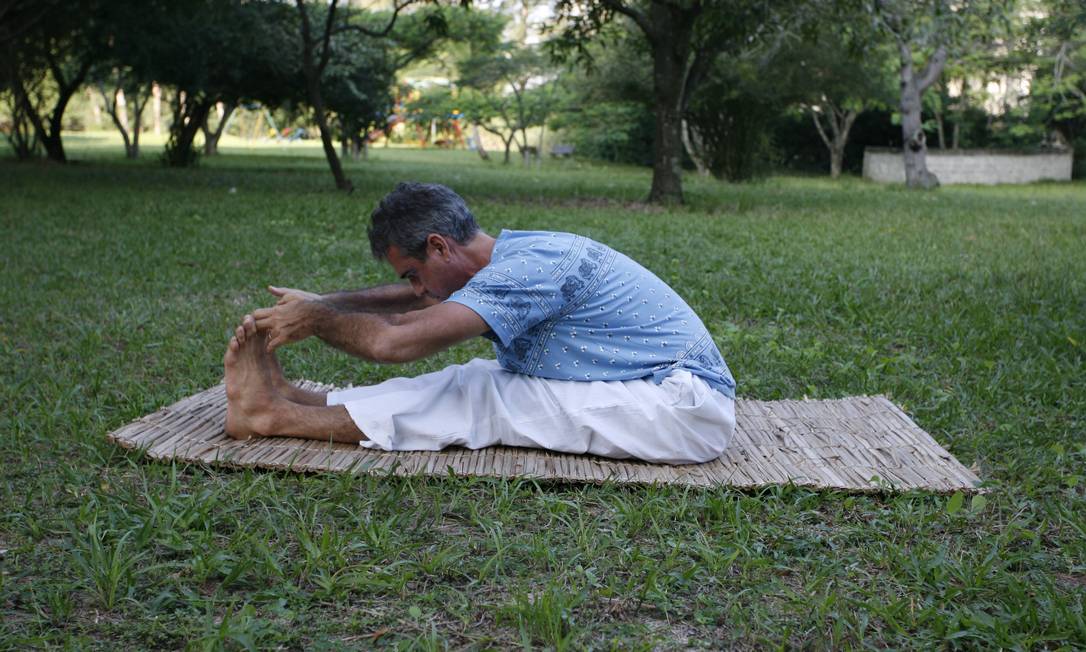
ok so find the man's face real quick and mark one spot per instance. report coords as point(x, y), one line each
point(437, 276)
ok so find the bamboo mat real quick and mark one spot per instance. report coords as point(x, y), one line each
point(858, 443)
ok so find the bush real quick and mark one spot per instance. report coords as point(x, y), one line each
point(734, 131)
point(176, 156)
point(617, 131)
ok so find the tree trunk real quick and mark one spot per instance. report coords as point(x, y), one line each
point(840, 124)
point(359, 150)
point(479, 142)
point(912, 131)
point(317, 102)
point(313, 72)
point(118, 113)
point(667, 184)
point(837, 159)
point(673, 28)
point(113, 109)
point(539, 149)
point(189, 115)
point(143, 95)
point(695, 148)
point(508, 146)
point(156, 107)
point(912, 135)
point(355, 147)
point(211, 138)
point(120, 104)
point(22, 136)
point(133, 151)
point(940, 130)
point(49, 135)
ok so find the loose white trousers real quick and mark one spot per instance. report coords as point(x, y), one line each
point(680, 421)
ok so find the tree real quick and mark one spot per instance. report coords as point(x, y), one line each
point(218, 50)
point(684, 37)
point(21, 134)
point(362, 79)
point(124, 74)
point(357, 90)
point(212, 136)
point(48, 50)
point(319, 27)
point(435, 105)
point(608, 109)
point(508, 91)
point(125, 91)
point(926, 34)
point(727, 123)
point(1055, 48)
point(838, 72)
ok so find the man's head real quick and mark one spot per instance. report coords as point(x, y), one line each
point(418, 228)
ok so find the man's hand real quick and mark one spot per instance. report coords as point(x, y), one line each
point(283, 292)
point(292, 319)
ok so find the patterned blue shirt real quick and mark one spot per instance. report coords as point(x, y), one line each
point(564, 306)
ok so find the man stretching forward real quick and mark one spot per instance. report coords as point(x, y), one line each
point(595, 354)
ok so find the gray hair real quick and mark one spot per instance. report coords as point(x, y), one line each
point(411, 212)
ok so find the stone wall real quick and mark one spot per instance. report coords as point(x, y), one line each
point(973, 166)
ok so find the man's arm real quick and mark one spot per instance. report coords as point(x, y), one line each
point(392, 298)
point(378, 337)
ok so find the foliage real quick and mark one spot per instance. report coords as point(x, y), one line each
point(608, 114)
point(44, 61)
point(617, 131)
point(1055, 43)
point(733, 109)
point(685, 40)
point(507, 90)
point(357, 85)
point(733, 125)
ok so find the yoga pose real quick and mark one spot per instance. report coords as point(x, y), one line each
point(595, 354)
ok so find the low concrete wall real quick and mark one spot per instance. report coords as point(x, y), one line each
point(973, 166)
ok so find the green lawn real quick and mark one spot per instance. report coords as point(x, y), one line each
point(967, 306)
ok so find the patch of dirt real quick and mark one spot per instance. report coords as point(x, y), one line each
point(1071, 581)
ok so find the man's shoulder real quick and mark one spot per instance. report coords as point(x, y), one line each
point(518, 243)
point(531, 253)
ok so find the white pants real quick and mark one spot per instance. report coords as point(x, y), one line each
point(680, 421)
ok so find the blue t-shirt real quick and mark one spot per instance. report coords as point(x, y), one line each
point(564, 306)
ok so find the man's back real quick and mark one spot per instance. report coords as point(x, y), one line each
point(566, 307)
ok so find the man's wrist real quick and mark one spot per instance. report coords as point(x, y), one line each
point(320, 313)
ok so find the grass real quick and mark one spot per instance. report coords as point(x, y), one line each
point(967, 306)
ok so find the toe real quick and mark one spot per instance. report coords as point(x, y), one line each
point(239, 334)
point(249, 324)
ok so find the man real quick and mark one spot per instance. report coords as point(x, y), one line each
point(595, 354)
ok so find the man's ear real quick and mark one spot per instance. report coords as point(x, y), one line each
point(438, 244)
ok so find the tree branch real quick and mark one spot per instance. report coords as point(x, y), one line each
point(397, 8)
point(703, 60)
point(636, 15)
point(818, 125)
point(422, 49)
point(326, 39)
point(934, 68)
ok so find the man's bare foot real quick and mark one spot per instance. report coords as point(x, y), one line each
point(251, 398)
point(268, 360)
